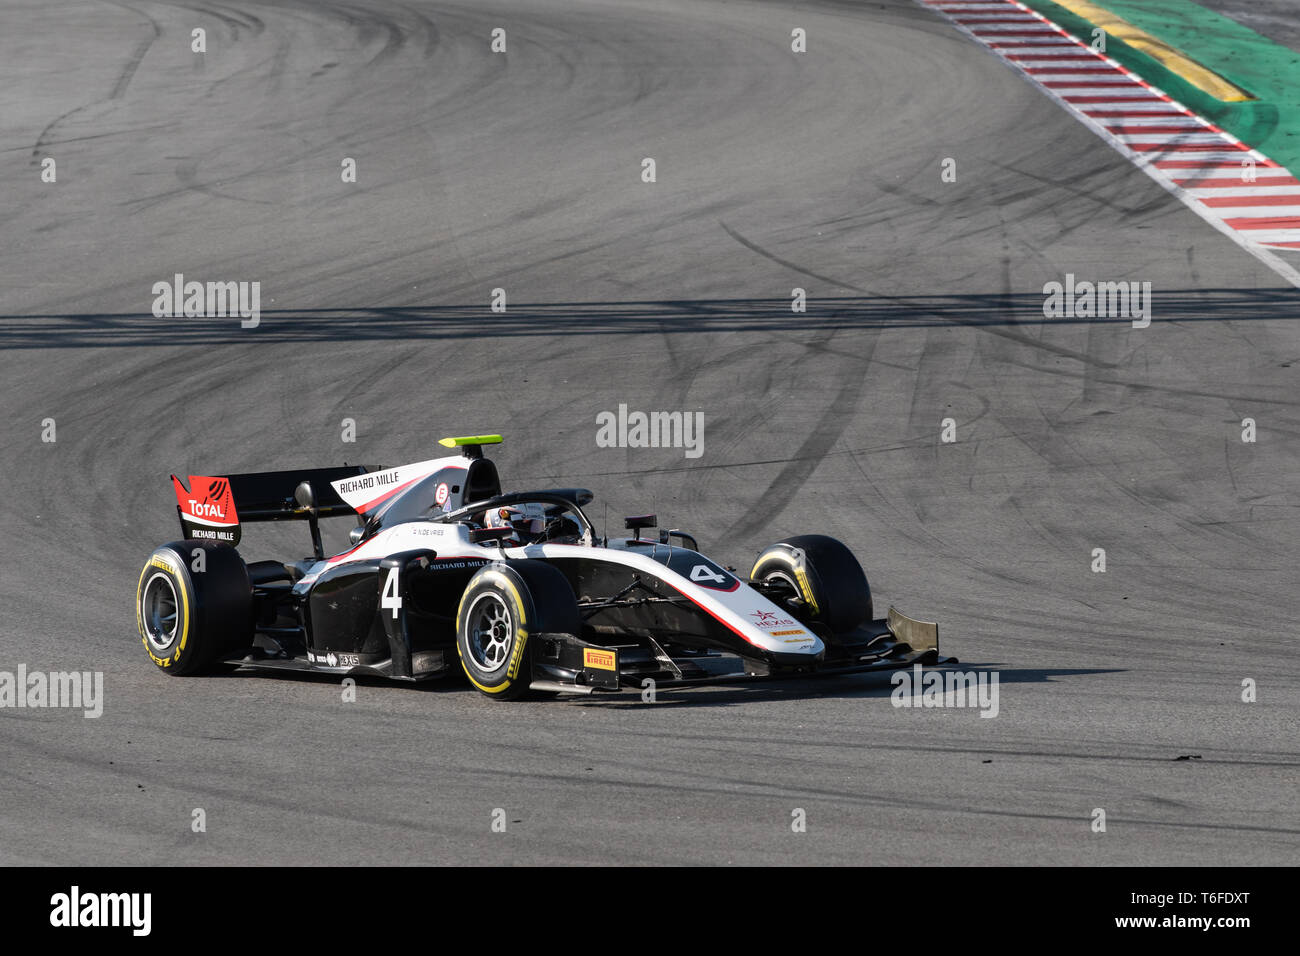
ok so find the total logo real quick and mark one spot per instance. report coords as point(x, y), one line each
point(206, 509)
point(210, 501)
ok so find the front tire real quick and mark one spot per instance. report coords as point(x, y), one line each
point(503, 606)
point(820, 580)
point(189, 618)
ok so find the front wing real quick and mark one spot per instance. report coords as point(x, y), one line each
point(565, 664)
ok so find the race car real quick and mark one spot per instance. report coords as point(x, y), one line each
point(445, 573)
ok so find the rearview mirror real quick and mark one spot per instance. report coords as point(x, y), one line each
point(688, 540)
point(636, 523)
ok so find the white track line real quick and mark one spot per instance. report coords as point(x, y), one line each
point(1186, 154)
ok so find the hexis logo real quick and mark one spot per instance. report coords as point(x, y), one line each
point(768, 620)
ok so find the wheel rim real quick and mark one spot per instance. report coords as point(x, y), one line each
point(491, 632)
point(789, 587)
point(160, 611)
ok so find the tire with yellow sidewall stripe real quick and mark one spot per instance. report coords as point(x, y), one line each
point(504, 606)
point(193, 605)
point(826, 584)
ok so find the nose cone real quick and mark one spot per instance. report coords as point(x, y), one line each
point(803, 648)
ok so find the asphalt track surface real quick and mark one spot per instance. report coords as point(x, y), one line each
point(522, 171)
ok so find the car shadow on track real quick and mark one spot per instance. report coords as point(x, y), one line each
point(876, 684)
point(452, 681)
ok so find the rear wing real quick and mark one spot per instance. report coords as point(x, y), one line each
point(214, 507)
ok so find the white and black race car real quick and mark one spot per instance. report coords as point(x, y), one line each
point(445, 573)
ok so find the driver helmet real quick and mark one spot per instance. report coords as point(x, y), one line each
point(527, 520)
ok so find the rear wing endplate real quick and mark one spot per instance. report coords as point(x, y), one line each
point(214, 507)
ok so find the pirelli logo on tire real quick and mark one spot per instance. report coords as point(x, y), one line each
point(518, 655)
point(600, 660)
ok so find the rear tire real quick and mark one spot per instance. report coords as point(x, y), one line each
point(189, 619)
point(827, 584)
point(503, 607)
